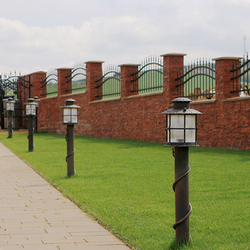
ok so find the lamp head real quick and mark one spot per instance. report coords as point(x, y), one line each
point(70, 112)
point(181, 124)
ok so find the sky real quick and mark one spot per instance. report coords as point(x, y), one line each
point(48, 34)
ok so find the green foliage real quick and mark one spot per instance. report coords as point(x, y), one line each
point(127, 186)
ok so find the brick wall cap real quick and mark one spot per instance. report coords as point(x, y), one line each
point(128, 65)
point(64, 69)
point(227, 58)
point(94, 62)
point(37, 72)
point(174, 54)
point(238, 98)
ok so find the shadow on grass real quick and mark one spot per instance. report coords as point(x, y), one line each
point(176, 246)
point(221, 151)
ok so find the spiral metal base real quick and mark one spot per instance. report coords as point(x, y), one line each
point(190, 206)
point(30, 134)
point(70, 150)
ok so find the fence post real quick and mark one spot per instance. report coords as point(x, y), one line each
point(129, 72)
point(224, 84)
point(93, 73)
point(172, 65)
point(64, 85)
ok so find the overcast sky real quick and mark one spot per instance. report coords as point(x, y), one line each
point(40, 35)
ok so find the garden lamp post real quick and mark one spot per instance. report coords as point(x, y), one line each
point(10, 107)
point(36, 100)
point(30, 112)
point(70, 118)
point(181, 133)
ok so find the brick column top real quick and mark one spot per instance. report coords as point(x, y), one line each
point(227, 58)
point(128, 65)
point(223, 74)
point(173, 54)
point(64, 85)
point(37, 72)
point(64, 69)
point(129, 86)
point(94, 62)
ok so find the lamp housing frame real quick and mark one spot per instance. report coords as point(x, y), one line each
point(30, 107)
point(10, 104)
point(179, 133)
point(70, 112)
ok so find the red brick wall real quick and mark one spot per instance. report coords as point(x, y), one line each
point(224, 123)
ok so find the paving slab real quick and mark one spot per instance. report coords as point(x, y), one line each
point(34, 215)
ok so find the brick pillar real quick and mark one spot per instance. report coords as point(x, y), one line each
point(93, 73)
point(224, 84)
point(36, 83)
point(64, 81)
point(129, 72)
point(172, 64)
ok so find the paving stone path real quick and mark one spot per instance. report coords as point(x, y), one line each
point(35, 216)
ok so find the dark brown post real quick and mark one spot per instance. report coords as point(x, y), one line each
point(64, 81)
point(70, 151)
point(182, 205)
point(93, 73)
point(129, 81)
point(224, 84)
point(172, 65)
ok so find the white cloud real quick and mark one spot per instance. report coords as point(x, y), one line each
point(48, 34)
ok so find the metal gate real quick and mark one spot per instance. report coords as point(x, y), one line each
point(9, 88)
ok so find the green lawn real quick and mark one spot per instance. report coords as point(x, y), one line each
point(127, 186)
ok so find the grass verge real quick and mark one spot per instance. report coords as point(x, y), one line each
point(127, 186)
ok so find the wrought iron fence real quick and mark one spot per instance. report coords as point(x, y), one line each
point(50, 82)
point(9, 84)
point(9, 88)
point(110, 83)
point(78, 78)
point(241, 77)
point(149, 77)
point(197, 81)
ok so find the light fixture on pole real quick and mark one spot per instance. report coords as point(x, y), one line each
point(10, 107)
point(181, 133)
point(30, 112)
point(70, 118)
point(36, 100)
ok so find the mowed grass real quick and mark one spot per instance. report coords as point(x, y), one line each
point(127, 187)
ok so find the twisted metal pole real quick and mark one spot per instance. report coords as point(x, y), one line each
point(10, 125)
point(30, 133)
point(70, 150)
point(183, 208)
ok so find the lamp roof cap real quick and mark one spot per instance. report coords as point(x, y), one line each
point(181, 99)
point(70, 103)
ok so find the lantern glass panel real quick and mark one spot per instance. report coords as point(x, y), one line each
point(74, 115)
point(180, 123)
point(10, 106)
point(66, 115)
point(31, 109)
point(190, 128)
point(176, 125)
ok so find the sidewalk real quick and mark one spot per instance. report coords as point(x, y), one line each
point(34, 215)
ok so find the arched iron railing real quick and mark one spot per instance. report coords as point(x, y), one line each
point(110, 83)
point(78, 78)
point(149, 77)
point(196, 81)
point(50, 82)
point(241, 77)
